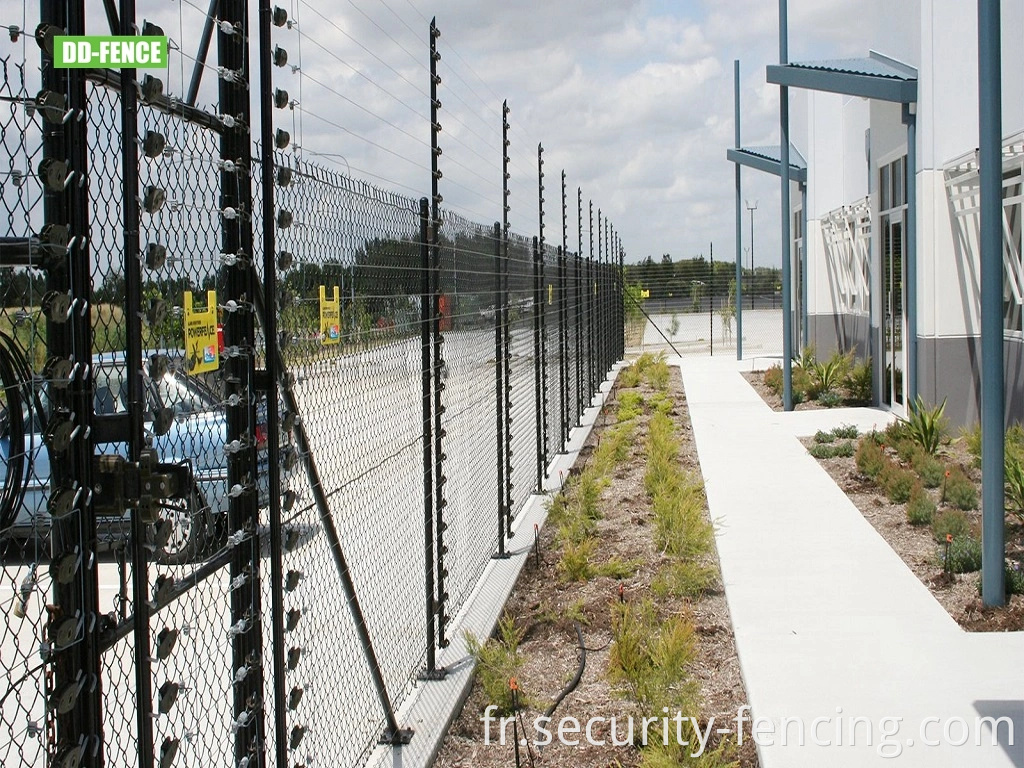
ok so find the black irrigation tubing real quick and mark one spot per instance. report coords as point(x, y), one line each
point(579, 673)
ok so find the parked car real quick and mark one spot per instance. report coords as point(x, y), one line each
point(195, 434)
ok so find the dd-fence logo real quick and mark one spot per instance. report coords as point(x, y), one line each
point(149, 51)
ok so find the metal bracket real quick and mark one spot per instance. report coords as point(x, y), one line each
point(119, 483)
point(396, 738)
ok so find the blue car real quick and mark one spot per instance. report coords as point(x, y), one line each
point(184, 424)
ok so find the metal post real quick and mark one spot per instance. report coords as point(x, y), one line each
point(239, 329)
point(711, 302)
point(579, 307)
point(269, 321)
point(591, 297)
point(440, 502)
point(990, 172)
point(753, 280)
point(787, 256)
point(136, 396)
point(499, 388)
point(911, 381)
point(563, 339)
point(542, 417)
point(804, 241)
point(739, 211)
point(426, 316)
point(537, 310)
point(204, 48)
point(506, 356)
point(600, 369)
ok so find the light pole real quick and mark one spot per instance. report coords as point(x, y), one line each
point(751, 207)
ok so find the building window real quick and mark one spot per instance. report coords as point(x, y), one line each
point(1013, 272)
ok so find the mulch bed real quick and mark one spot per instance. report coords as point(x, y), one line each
point(541, 603)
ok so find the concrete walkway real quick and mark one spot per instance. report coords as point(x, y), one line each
point(829, 622)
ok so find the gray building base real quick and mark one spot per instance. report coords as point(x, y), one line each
point(843, 332)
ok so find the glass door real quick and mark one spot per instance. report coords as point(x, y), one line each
point(893, 304)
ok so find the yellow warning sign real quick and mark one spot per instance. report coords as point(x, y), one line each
point(551, 293)
point(645, 294)
point(330, 317)
point(201, 347)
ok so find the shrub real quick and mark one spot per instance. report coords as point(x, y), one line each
point(830, 398)
point(928, 468)
point(869, 457)
point(824, 437)
point(805, 384)
point(959, 490)
point(830, 374)
point(972, 441)
point(895, 432)
point(650, 656)
point(963, 554)
point(1014, 478)
point(773, 379)
point(906, 449)
point(631, 405)
point(575, 563)
point(926, 426)
point(1014, 579)
point(617, 568)
point(497, 660)
point(842, 449)
point(920, 507)
point(845, 432)
point(859, 382)
point(952, 522)
point(897, 483)
point(684, 578)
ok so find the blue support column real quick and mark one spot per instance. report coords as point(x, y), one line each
point(910, 380)
point(739, 215)
point(805, 335)
point(787, 259)
point(990, 171)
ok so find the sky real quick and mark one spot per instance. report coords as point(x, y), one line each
point(633, 99)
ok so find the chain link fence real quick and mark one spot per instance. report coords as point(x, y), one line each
point(263, 424)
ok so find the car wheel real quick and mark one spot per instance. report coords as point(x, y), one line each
point(194, 534)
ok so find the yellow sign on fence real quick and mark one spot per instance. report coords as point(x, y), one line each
point(330, 317)
point(201, 347)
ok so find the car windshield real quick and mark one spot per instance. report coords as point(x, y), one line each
point(184, 396)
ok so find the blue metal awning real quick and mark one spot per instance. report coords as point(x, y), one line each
point(767, 159)
point(875, 77)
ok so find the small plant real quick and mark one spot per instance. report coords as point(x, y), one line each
point(859, 383)
point(1014, 579)
point(617, 568)
point(952, 522)
point(1014, 478)
point(673, 326)
point(575, 563)
point(926, 426)
point(928, 468)
point(650, 655)
point(805, 384)
point(845, 432)
point(773, 379)
point(843, 449)
point(963, 555)
point(920, 507)
point(869, 457)
point(631, 405)
point(972, 441)
point(959, 491)
point(497, 660)
point(897, 483)
point(684, 578)
point(830, 398)
point(824, 437)
point(831, 373)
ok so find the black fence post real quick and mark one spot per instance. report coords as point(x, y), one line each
point(622, 302)
point(273, 373)
point(563, 363)
point(246, 636)
point(136, 397)
point(499, 389)
point(538, 310)
point(580, 298)
point(542, 416)
point(506, 356)
point(426, 317)
point(591, 319)
point(439, 371)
